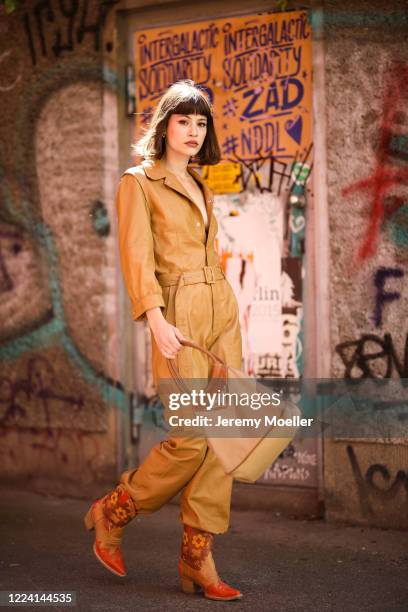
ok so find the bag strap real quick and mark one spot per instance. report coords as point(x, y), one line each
point(219, 369)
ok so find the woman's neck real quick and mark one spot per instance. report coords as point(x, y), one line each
point(176, 164)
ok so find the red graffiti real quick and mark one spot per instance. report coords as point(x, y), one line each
point(63, 454)
point(387, 173)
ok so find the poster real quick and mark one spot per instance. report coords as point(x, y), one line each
point(256, 70)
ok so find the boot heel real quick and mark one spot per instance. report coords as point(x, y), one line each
point(88, 520)
point(187, 585)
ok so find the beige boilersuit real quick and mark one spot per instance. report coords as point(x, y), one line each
point(169, 260)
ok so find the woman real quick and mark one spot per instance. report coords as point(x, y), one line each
point(171, 269)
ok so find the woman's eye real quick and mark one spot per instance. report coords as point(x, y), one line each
point(203, 125)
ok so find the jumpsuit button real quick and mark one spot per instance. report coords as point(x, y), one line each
point(198, 224)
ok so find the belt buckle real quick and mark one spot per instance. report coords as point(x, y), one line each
point(209, 274)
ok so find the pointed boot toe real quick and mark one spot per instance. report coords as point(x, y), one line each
point(222, 592)
point(112, 560)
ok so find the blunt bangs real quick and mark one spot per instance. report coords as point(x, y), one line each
point(194, 104)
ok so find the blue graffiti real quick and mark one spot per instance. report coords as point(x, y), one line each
point(382, 296)
point(294, 128)
point(283, 32)
point(281, 96)
point(254, 65)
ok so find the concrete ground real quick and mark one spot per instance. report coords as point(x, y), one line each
point(279, 564)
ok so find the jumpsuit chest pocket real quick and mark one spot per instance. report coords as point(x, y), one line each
point(172, 215)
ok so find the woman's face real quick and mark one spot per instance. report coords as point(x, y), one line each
point(185, 134)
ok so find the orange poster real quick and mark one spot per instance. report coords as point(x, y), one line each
point(256, 70)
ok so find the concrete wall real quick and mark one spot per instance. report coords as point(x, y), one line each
point(60, 383)
point(366, 75)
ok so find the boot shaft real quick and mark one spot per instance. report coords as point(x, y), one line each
point(118, 507)
point(196, 546)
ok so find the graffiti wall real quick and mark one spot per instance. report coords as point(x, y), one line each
point(257, 71)
point(368, 195)
point(59, 384)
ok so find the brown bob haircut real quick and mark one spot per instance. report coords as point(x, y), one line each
point(182, 98)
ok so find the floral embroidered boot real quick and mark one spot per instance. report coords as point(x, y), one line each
point(108, 516)
point(196, 567)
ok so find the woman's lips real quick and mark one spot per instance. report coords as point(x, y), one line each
point(191, 143)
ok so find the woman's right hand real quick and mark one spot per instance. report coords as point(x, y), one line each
point(167, 336)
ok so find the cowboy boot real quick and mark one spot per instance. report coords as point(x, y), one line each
point(108, 516)
point(196, 567)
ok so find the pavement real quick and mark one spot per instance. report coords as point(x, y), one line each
point(279, 564)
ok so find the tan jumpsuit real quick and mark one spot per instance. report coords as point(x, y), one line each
point(168, 260)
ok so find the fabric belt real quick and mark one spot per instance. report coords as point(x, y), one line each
point(208, 274)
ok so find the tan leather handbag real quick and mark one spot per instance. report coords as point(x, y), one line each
point(245, 458)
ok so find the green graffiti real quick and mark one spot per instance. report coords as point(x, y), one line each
point(398, 226)
point(54, 331)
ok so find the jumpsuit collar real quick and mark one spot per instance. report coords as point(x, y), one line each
point(156, 170)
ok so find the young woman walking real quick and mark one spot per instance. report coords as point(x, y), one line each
point(173, 276)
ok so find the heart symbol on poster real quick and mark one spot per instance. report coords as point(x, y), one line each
point(294, 128)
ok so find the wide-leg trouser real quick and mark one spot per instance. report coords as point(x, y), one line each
point(208, 314)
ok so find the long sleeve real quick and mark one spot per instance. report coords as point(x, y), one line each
point(136, 248)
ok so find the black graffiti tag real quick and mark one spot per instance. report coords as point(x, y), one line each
point(40, 25)
point(367, 486)
point(357, 354)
